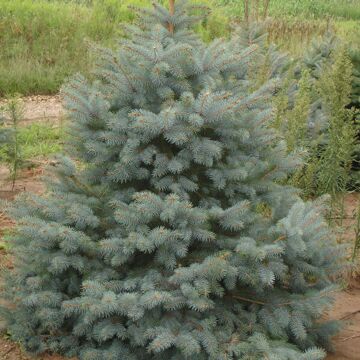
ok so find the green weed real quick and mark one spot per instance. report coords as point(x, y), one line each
point(40, 140)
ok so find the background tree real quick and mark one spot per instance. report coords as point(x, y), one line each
point(312, 102)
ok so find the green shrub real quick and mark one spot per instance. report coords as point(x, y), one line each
point(321, 124)
point(334, 87)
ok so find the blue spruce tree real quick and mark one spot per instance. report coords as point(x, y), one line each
point(169, 235)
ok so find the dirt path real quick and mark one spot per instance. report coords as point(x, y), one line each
point(40, 108)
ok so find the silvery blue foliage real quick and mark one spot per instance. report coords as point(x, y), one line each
point(170, 236)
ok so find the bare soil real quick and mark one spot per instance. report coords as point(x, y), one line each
point(27, 180)
point(12, 351)
point(40, 108)
point(347, 309)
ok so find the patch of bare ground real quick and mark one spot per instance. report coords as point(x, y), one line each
point(347, 302)
point(40, 108)
point(347, 309)
point(12, 351)
point(26, 180)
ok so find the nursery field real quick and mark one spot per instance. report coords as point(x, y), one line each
point(274, 85)
point(45, 41)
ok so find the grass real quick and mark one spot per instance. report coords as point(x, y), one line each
point(5, 234)
point(35, 142)
point(40, 140)
point(314, 9)
point(44, 42)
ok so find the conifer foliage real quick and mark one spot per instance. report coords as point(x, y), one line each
point(170, 236)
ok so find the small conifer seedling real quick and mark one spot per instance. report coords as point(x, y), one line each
point(10, 147)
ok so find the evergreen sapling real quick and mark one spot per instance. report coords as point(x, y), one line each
point(173, 238)
point(10, 147)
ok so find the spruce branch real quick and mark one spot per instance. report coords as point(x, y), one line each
point(292, 302)
point(84, 187)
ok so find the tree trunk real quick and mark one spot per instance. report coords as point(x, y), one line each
point(266, 9)
point(246, 11)
point(172, 11)
point(256, 10)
